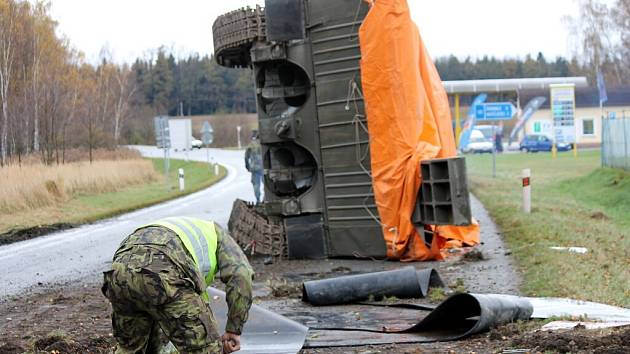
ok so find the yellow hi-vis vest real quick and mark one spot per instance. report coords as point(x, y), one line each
point(200, 239)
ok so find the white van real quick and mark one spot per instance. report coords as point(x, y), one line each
point(479, 143)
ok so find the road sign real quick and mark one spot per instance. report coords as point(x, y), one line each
point(207, 133)
point(563, 113)
point(495, 111)
point(162, 133)
point(163, 141)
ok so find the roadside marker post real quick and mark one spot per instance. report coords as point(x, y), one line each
point(181, 180)
point(238, 136)
point(527, 191)
point(216, 169)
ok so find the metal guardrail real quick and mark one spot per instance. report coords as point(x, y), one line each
point(616, 143)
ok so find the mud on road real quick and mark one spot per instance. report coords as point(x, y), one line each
point(75, 318)
point(18, 235)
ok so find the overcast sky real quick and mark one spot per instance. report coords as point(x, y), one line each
point(131, 28)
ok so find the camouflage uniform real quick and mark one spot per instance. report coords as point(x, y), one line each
point(154, 286)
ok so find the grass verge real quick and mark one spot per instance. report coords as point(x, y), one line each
point(575, 203)
point(89, 207)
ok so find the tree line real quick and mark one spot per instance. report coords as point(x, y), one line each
point(52, 99)
point(192, 86)
point(452, 68)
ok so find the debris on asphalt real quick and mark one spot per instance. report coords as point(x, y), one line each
point(473, 255)
point(284, 288)
point(458, 317)
point(580, 250)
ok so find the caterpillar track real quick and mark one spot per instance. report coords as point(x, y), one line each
point(234, 34)
point(257, 233)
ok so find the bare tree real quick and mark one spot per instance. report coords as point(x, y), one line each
point(596, 35)
point(8, 31)
point(126, 88)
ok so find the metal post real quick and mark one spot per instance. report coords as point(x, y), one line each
point(494, 150)
point(168, 159)
point(575, 133)
point(166, 168)
point(604, 133)
point(458, 120)
point(625, 143)
point(208, 157)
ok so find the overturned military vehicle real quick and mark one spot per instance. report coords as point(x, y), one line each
point(319, 195)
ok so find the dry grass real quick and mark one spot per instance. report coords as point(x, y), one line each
point(78, 155)
point(224, 126)
point(34, 186)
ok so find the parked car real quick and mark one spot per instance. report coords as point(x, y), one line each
point(196, 144)
point(539, 142)
point(478, 143)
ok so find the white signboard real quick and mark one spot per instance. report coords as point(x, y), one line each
point(181, 134)
point(543, 127)
point(563, 112)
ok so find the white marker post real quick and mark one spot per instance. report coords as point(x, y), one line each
point(181, 180)
point(216, 169)
point(527, 191)
point(238, 136)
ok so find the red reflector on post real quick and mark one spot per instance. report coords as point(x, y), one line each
point(526, 182)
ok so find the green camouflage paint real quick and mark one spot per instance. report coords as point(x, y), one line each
point(156, 293)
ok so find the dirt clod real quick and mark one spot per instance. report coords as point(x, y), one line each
point(474, 255)
point(284, 288)
point(599, 216)
point(578, 340)
point(31, 233)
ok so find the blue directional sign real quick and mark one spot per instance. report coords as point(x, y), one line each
point(495, 111)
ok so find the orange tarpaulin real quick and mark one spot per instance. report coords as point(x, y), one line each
point(409, 121)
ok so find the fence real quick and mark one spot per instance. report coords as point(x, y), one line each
point(616, 143)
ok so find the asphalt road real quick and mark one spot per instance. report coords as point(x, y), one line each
point(82, 252)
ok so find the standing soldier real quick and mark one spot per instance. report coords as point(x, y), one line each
point(254, 164)
point(157, 286)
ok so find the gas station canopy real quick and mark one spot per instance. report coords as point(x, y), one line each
point(506, 85)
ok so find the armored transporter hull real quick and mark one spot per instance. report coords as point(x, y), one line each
point(305, 59)
point(305, 56)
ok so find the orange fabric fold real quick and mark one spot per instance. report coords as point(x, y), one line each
point(409, 120)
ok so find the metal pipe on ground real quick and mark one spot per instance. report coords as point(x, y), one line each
point(402, 283)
